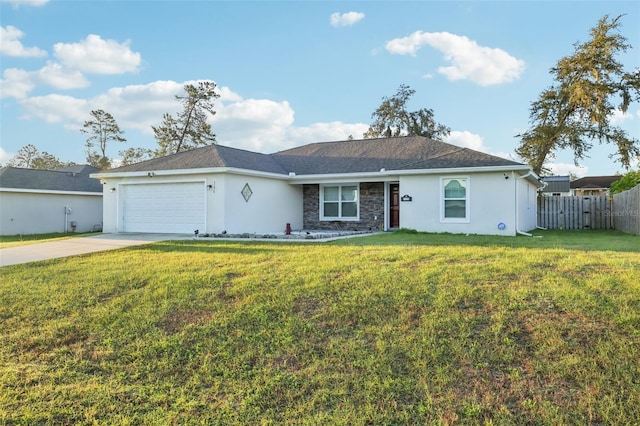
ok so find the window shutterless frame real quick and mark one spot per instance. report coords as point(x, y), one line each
point(340, 202)
point(454, 199)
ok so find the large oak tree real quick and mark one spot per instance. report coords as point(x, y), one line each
point(392, 119)
point(576, 110)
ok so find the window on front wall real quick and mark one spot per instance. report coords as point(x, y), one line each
point(339, 202)
point(455, 199)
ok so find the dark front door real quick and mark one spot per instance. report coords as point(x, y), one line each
point(394, 205)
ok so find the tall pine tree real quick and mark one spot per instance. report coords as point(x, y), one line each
point(101, 128)
point(190, 128)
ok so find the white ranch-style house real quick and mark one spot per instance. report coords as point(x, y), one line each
point(372, 184)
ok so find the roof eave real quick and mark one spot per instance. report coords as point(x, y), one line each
point(51, 191)
point(382, 175)
point(389, 175)
point(181, 172)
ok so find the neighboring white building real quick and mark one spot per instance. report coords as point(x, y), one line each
point(378, 184)
point(556, 186)
point(45, 201)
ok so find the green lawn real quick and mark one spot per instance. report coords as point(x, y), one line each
point(385, 329)
point(19, 240)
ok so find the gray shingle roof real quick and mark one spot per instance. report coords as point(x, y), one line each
point(371, 155)
point(79, 168)
point(594, 182)
point(210, 156)
point(351, 156)
point(51, 180)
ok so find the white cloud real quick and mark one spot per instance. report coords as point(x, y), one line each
point(16, 83)
point(93, 55)
point(618, 117)
point(260, 125)
point(254, 124)
point(56, 75)
point(98, 56)
point(5, 156)
point(258, 110)
point(466, 139)
point(267, 126)
point(135, 107)
point(57, 108)
point(564, 169)
point(226, 95)
point(18, 3)
point(140, 106)
point(469, 61)
point(346, 19)
point(407, 45)
point(10, 44)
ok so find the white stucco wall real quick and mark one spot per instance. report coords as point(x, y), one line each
point(109, 207)
point(527, 205)
point(272, 205)
point(44, 212)
point(273, 202)
point(491, 197)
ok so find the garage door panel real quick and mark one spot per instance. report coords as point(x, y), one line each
point(164, 207)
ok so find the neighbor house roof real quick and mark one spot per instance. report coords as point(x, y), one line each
point(210, 156)
point(594, 182)
point(79, 168)
point(350, 156)
point(556, 184)
point(75, 179)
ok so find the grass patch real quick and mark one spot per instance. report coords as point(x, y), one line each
point(19, 240)
point(362, 331)
point(591, 240)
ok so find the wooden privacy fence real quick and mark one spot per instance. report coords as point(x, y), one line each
point(626, 211)
point(575, 212)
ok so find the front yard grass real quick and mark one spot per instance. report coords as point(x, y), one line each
point(404, 329)
point(19, 240)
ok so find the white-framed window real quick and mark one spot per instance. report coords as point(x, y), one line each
point(455, 199)
point(339, 202)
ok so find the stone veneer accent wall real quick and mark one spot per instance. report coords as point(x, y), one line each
point(371, 209)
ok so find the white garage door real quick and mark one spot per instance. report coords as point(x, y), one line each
point(164, 207)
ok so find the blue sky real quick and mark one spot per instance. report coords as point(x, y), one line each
point(291, 73)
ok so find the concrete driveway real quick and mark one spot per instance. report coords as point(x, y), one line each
point(81, 245)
